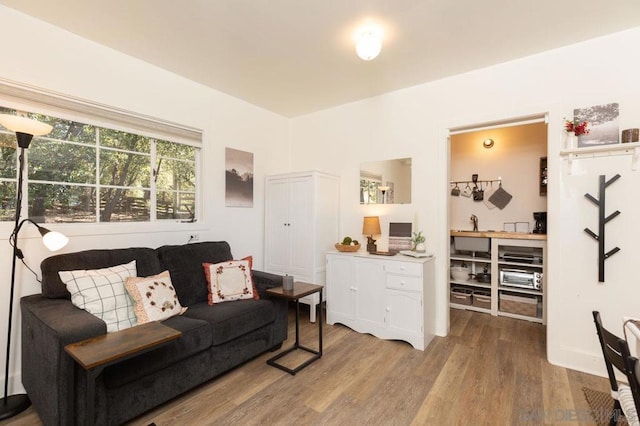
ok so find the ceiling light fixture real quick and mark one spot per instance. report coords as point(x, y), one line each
point(369, 42)
point(487, 143)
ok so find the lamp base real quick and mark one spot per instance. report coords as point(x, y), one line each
point(13, 405)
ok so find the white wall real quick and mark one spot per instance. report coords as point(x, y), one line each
point(514, 157)
point(44, 56)
point(414, 123)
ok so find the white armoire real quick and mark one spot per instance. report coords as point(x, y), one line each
point(301, 225)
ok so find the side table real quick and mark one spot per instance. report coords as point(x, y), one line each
point(299, 290)
point(97, 353)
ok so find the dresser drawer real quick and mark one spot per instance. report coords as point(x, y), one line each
point(404, 282)
point(407, 268)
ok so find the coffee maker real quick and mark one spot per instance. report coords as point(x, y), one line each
point(541, 222)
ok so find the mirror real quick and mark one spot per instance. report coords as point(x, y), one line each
point(386, 182)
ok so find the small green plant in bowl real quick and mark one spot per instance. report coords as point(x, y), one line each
point(348, 245)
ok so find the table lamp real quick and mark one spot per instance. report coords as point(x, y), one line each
point(371, 227)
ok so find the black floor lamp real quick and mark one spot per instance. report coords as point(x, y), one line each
point(25, 129)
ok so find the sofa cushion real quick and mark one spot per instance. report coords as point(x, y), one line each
point(184, 263)
point(101, 292)
point(233, 319)
point(147, 263)
point(196, 337)
point(154, 297)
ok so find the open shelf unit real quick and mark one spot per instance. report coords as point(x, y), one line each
point(505, 297)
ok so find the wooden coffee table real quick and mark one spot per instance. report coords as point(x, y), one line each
point(299, 290)
point(97, 353)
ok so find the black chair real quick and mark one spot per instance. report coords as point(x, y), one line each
point(616, 352)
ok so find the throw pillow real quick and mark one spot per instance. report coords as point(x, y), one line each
point(101, 292)
point(154, 297)
point(230, 280)
point(253, 281)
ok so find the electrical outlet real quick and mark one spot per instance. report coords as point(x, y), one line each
point(194, 237)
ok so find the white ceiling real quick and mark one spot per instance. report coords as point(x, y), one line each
point(297, 56)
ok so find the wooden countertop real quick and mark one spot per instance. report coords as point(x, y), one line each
point(499, 234)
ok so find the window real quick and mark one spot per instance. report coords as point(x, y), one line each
point(369, 183)
point(8, 176)
point(82, 172)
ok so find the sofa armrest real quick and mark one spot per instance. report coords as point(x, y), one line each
point(48, 325)
point(265, 280)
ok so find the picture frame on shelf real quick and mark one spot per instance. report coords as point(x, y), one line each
point(603, 125)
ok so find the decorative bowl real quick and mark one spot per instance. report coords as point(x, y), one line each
point(349, 248)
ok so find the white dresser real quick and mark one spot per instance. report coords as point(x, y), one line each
point(390, 297)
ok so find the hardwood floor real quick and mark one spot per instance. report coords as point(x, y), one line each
point(488, 371)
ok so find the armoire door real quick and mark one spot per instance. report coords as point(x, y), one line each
point(277, 253)
point(301, 228)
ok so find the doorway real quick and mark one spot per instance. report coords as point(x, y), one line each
point(511, 156)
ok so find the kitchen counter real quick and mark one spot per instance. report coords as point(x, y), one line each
point(499, 234)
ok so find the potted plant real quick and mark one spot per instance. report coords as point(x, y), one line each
point(418, 242)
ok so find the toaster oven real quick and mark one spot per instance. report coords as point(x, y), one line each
point(521, 278)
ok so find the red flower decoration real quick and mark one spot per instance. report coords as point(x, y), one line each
point(576, 126)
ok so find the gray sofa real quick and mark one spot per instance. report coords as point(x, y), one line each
point(214, 338)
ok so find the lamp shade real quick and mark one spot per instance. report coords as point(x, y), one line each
point(54, 241)
point(371, 226)
point(20, 124)
point(369, 42)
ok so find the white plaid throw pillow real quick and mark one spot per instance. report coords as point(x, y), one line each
point(101, 292)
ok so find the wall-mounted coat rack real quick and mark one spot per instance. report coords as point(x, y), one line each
point(602, 221)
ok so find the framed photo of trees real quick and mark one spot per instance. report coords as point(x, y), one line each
point(603, 125)
point(238, 178)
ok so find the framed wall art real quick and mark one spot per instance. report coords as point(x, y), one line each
point(238, 178)
point(603, 125)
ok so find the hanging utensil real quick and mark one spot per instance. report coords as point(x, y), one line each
point(478, 194)
point(488, 192)
point(467, 191)
point(500, 197)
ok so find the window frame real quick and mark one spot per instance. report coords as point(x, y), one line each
point(21, 98)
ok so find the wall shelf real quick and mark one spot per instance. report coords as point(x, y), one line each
point(599, 151)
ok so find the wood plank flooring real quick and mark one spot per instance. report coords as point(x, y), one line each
point(488, 371)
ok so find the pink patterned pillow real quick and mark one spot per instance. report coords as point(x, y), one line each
point(230, 280)
point(154, 297)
